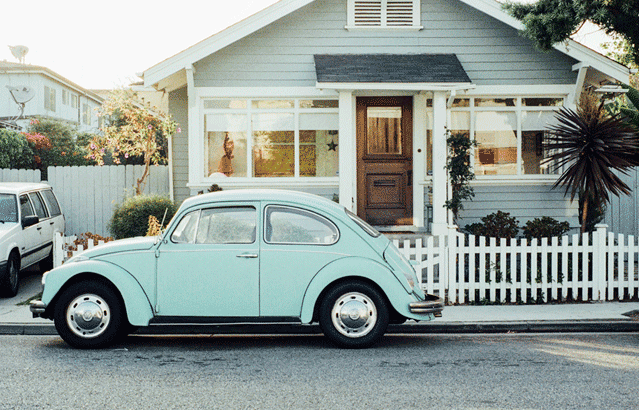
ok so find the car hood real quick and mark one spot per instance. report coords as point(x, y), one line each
point(122, 245)
point(6, 227)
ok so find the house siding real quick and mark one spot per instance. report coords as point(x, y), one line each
point(281, 54)
point(524, 202)
point(178, 107)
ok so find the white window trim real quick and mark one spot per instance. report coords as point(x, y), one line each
point(196, 155)
point(351, 24)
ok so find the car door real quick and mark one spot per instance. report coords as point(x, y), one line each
point(30, 237)
point(208, 266)
point(44, 227)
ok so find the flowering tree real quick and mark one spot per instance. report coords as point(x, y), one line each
point(132, 130)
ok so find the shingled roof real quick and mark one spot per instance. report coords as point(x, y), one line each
point(389, 68)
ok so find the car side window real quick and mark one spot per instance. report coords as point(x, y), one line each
point(227, 225)
point(287, 225)
point(40, 210)
point(52, 202)
point(185, 231)
point(25, 206)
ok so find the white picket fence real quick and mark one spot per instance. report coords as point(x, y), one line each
point(19, 175)
point(64, 248)
point(468, 269)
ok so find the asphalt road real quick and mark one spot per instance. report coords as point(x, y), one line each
point(558, 371)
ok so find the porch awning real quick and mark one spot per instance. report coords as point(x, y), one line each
point(391, 71)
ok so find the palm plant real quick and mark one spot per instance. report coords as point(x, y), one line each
point(631, 110)
point(592, 145)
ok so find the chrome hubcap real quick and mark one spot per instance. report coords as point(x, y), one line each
point(354, 315)
point(88, 315)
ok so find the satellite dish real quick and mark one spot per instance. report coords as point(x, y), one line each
point(21, 94)
point(19, 52)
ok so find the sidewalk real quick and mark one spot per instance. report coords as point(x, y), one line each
point(583, 317)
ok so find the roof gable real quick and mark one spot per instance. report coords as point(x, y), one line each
point(172, 69)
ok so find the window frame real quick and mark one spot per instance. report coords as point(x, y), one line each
point(317, 216)
point(250, 110)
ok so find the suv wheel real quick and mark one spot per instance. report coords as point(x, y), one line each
point(10, 278)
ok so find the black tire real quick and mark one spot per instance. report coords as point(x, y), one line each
point(10, 278)
point(354, 315)
point(89, 315)
point(46, 264)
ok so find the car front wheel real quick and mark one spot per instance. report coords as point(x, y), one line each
point(89, 315)
point(10, 278)
point(354, 315)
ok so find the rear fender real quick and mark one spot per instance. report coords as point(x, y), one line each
point(136, 302)
point(355, 268)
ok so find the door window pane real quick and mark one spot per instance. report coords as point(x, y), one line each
point(25, 206)
point(274, 145)
point(296, 226)
point(52, 202)
point(496, 135)
point(384, 130)
point(185, 231)
point(227, 225)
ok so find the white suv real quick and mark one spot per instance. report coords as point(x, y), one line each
point(29, 217)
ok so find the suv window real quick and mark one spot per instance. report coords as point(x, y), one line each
point(8, 208)
point(52, 202)
point(40, 210)
point(25, 206)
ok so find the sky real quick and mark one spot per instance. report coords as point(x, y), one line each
point(103, 44)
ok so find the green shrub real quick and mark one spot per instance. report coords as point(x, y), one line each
point(496, 225)
point(545, 227)
point(14, 150)
point(131, 218)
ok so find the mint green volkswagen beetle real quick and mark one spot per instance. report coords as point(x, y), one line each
point(263, 256)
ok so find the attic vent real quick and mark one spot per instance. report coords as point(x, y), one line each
point(383, 14)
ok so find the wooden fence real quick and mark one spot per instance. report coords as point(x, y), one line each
point(88, 194)
point(468, 269)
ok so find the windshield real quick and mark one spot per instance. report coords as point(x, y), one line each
point(363, 224)
point(8, 208)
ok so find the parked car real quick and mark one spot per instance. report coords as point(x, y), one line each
point(240, 256)
point(29, 216)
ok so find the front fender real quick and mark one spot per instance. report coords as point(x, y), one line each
point(137, 305)
point(356, 267)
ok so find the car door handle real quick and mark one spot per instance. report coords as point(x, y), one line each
point(247, 255)
point(39, 228)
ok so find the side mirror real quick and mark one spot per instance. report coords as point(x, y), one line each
point(29, 220)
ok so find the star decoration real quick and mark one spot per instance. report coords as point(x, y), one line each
point(332, 145)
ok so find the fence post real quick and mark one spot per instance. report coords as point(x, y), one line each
point(58, 249)
point(452, 263)
point(599, 260)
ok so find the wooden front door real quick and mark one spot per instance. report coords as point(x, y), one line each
point(384, 160)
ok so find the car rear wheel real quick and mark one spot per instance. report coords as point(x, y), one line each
point(10, 278)
point(354, 315)
point(89, 315)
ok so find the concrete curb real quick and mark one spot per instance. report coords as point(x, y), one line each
point(546, 326)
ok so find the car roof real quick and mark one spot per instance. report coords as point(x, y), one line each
point(19, 187)
point(275, 195)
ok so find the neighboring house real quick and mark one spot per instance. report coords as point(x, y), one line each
point(54, 97)
point(353, 98)
point(148, 96)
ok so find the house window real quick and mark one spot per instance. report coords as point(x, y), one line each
point(65, 97)
point(86, 114)
point(270, 138)
point(74, 101)
point(388, 14)
point(509, 133)
point(49, 98)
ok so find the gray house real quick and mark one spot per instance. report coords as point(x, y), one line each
point(353, 98)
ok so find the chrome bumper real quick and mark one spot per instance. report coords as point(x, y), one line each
point(37, 308)
point(432, 305)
